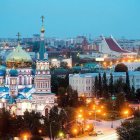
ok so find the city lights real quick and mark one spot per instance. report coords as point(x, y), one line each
point(80, 115)
point(40, 131)
point(126, 113)
point(25, 136)
point(61, 134)
point(75, 131)
point(72, 73)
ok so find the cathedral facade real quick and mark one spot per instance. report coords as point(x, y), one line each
point(22, 89)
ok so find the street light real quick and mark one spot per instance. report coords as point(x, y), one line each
point(80, 115)
point(61, 135)
point(126, 112)
point(25, 136)
point(75, 131)
point(99, 111)
point(39, 131)
point(80, 110)
point(102, 107)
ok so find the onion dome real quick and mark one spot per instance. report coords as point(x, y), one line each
point(2, 72)
point(42, 29)
point(18, 58)
point(13, 73)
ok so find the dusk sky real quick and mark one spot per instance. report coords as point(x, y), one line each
point(69, 18)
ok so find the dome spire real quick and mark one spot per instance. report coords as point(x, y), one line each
point(42, 50)
point(42, 28)
point(18, 35)
point(42, 17)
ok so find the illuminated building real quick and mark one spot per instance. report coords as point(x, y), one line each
point(113, 49)
point(83, 83)
point(20, 89)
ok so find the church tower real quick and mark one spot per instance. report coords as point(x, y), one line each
point(43, 100)
point(42, 76)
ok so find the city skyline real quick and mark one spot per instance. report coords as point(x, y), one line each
point(65, 19)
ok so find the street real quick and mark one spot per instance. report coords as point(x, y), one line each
point(112, 136)
point(104, 126)
point(108, 132)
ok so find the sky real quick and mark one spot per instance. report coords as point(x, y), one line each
point(69, 18)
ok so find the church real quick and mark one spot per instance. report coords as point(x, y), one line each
point(20, 88)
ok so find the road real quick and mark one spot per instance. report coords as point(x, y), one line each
point(108, 132)
point(110, 135)
point(104, 126)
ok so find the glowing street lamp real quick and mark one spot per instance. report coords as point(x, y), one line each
point(61, 134)
point(126, 112)
point(87, 127)
point(80, 115)
point(25, 136)
point(88, 101)
point(39, 131)
point(75, 131)
point(90, 113)
point(104, 114)
point(102, 107)
point(99, 111)
point(80, 110)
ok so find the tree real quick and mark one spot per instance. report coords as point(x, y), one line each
point(61, 96)
point(5, 130)
point(36, 138)
point(74, 99)
point(120, 101)
point(54, 83)
point(31, 122)
point(133, 90)
point(119, 86)
point(111, 86)
point(127, 82)
point(105, 86)
point(0, 60)
point(121, 68)
point(53, 123)
point(64, 65)
point(100, 85)
point(138, 94)
point(96, 85)
point(129, 130)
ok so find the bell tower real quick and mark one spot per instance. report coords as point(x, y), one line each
point(42, 76)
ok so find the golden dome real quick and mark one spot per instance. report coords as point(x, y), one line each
point(18, 58)
point(42, 29)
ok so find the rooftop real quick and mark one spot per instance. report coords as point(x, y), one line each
point(114, 46)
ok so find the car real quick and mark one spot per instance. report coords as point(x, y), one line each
point(98, 120)
point(99, 132)
point(93, 133)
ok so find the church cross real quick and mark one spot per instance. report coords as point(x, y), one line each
point(18, 35)
point(42, 18)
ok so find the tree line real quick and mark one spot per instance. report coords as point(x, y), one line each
point(106, 88)
point(33, 124)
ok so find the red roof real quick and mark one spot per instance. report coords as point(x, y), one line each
point(114, 46)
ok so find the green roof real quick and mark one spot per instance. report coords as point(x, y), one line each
point(90, 65)
point(19, 54)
